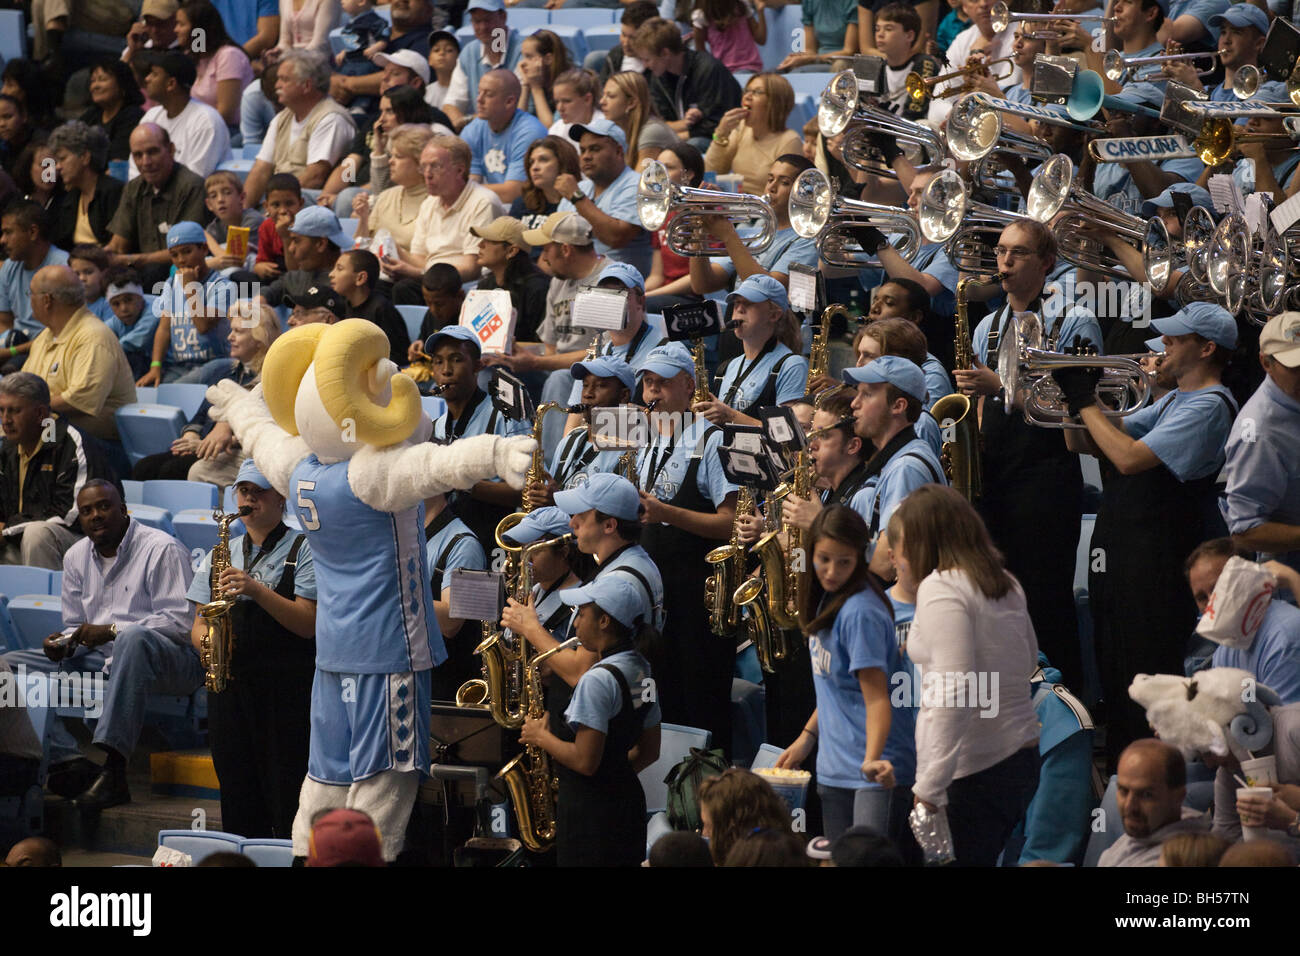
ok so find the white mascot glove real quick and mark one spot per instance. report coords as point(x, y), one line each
point(511, 458)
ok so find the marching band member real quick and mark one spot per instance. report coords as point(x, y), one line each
point(1137, 23)
point(931, 268)
point(688, 508)
point(1157, 508)
point(1125, 185)
point(906, 299)
point(1242, 28)
point(456, 359)
point(891, 391)
point(610, 733)
point(1032, 485)
point(902, 338)
point(979, 40)
point(770, 370)
point(897, 29)
point(449, 544)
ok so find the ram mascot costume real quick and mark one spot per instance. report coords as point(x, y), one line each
point(342, 435)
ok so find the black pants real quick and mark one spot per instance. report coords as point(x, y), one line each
point(984, 808)
point(163, 465)
point(259, 727)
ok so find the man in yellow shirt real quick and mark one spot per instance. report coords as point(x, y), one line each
point(79, 357)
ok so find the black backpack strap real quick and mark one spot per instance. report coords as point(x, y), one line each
point(645, 586)
point(441, 564)
point(925, 461)
point(622, 686)
point(875, 504)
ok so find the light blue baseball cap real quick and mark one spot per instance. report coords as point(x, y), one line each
point(1206, 319)
point(186, 233)
point(615, 598)
point(1199, 197)
point(627, 274)
point(599, 127)
point(320, 223)
point(458, 332)
point(609, 494)
point(605, 367)
point(539, 524)
point(248, 472)
point(903, 374)
point(667, 360)
point(1241, 15)
point(761, 288)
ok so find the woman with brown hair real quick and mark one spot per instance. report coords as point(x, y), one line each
point(398, 206)
point(542, 58)
point(976, 732)
point(548, 157)
point(751, 137)
point(626, 101)
point(735, 804)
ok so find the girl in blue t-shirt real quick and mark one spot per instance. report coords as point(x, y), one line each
point(866, 755)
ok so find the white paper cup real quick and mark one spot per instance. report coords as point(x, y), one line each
point(1260, 771)
point(731, 182)
point(1254, 833)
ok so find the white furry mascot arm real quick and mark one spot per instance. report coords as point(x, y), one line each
point(275, 451)
point(393, 479)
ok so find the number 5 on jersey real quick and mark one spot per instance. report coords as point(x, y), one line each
point(307, 508)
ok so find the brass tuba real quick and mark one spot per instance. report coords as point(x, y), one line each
point(218, 642)
point(528, 776)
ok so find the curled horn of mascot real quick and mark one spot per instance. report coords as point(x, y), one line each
point(341, 434)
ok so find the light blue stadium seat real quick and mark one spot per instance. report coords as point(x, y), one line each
point(747, 666)
point(573, 39)
point(134, 491)
point(56, 582)
point(433, 406)
point(196, 529)
point(413, 316)
point(583, 18)
point(349, 227)
point(178, 496)
point(240, 167)
point(152, 516)
point(21, 579)
point(783, 25)
point(186, 397)
point(766, 756)
point(148, 429)
point(35, 617)
point(336, 41)
point(466, 33)
point(1107, 828)
point(385, 11)
point(808, 84)
point(525, 19)
point(805, 108)
point(268, 852)
point(748, 719)
point(250, 150)
point(602, 38)
point(675, 743)
point(9, 637)
point(146, 394)
point(282, 312)
point(200, 843)
point(13, 35)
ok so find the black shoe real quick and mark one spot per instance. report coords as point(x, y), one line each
point(108, 790)
point(72, 777)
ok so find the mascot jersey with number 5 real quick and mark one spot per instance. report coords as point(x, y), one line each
point(342, 435)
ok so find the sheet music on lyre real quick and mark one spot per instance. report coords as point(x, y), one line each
point(1284, 216)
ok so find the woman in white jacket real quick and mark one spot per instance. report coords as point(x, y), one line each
point(974, 649)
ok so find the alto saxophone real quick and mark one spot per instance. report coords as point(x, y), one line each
point(956, 414)
point(218, 642)
point(536, 475)
point(728, 563)
point(528, 776)
point(743, 610)
point(819, 354)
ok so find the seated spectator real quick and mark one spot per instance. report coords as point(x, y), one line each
point(442, 228)
point(863, 847)
point(364, 37)
point(735, 804)
point(254, 26)
point(669, 281)
point(132, 321)
point(165, 191)
point(207, 450)
point(344, 838)
point(503, 255)
point(90, 263)
point(225, 200)
point(17, 130)
point(499, 136)
point(222, 68)
point(682, 77)
point(154, 31)
point(34, 181)
point(485, 52)
point(546, 160)
point(443, 295)
point(1151, 786)
point(90, 196)
point(751, 137)
point(260, 102)
point(678, 849)
point(575, 94)
point(47, 469)
point(731, 31)
point(606, 198)
point(626, 101)
point(412, 20)
point(26, 82)
point(283, 203)
point(123, 601)
point(197, 130)
point(306, 25)
point(768, 848)
point(830, 29)
point(353, 277)
point(542, 57)
point(397, 208)
point(444, 56)
point(310, 135)
point(317, 303)
point(313, 245)
point(192, 324)
point(621, 59)
point(115, 97)
point(24, 227)
point(34, 851)
point(1192, 849)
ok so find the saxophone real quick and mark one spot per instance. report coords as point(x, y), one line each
point(744, 610)
point(728, 563)
point(819, 354)
point(701, 372)
point(218, 642)
point(528, 776)
point(956, 414)
point(535, 477)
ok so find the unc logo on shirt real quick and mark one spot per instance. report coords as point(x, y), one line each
point(821, 657)
point(900, 635)
point(494, 161)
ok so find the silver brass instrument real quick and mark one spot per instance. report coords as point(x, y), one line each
point(657, 198)
point(1198, 233)
point(947, 214)
point(1055, 190)
point(1118, 67)
point(843, 107)
point(1002, 17)
point(817, 213)
point(975, 125)
point(1025, 369)
point(218, 642)
point(1161, 255)
point(1248, 79)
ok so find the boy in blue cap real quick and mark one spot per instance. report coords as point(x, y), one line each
point(1157, 507)
point(313, 244)
point(192, 325)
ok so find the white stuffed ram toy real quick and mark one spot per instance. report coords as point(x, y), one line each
point(1220, 711)
point(342, 435)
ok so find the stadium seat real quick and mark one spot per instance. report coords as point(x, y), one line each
point(56, 582)
point(152, 516)
point(268, 852)
point(602, 38)
point(21, 579)
point(186, 397)
point(413, 316)
point(35, 617)
point(177, 496)
point(13, 35)
point(250, 150)
point(199, 843)
point(146, 394)
point(133, 490)
point(805, 108)
point(336, 41)
point(675, 746)
point(196, 529)
point(9, 639)
point(148, 429)
point(747, 666)
point(573, 39)
point(748, 719)
point(766, 756)
point(527, 19)
point(784, 24)
point(808, 84)
point(349, 227)
point(465, 33)
point(240, 167)
point(583, 18)
point(385, 11)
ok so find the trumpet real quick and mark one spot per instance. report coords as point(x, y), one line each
point(1002, 18)
point(1025, 367)
point(920, 88)
point(1117, 66)
point(657, 197)
point(1055, 190)
point(817, 213)
point(1220, 138)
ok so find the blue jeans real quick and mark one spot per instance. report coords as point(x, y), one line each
point(873, 807)
point(139, 663)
